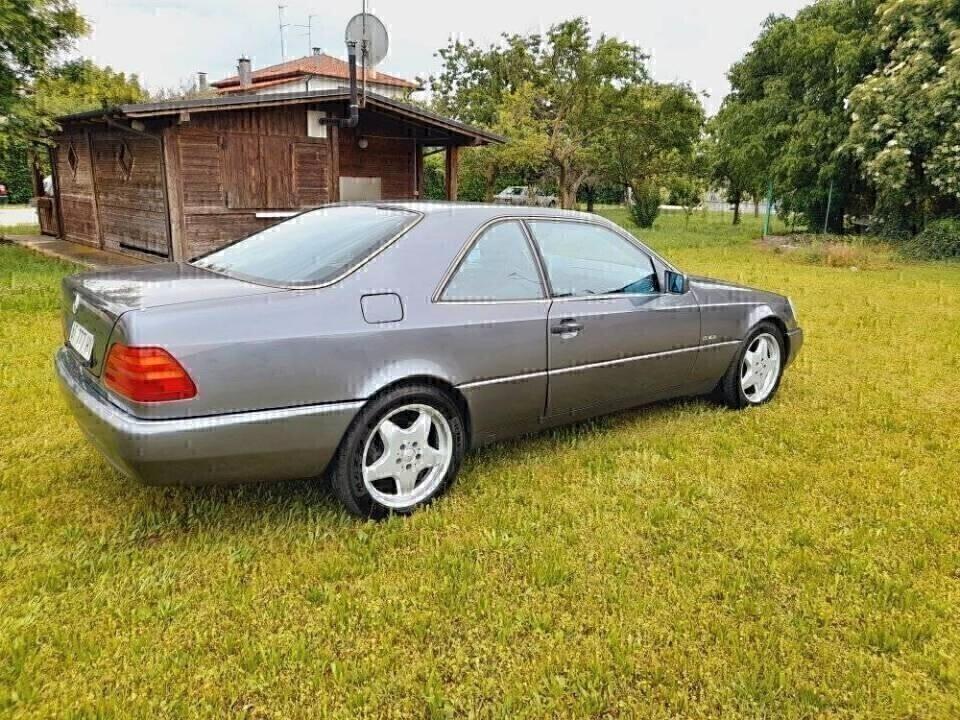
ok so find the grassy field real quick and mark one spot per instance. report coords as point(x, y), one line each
point(797, 560)
point(25, 229)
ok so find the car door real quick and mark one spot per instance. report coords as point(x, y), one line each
point(493, 311)
point(614, 338)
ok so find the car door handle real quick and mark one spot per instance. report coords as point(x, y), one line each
point(567, 328)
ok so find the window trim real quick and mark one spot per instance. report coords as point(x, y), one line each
point(333, 281)
point(545, 290)
point(619, 232)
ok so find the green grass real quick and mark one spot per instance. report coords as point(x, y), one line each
point(27, 229)
point(797, 560)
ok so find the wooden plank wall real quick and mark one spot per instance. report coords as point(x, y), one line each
point(393, 159)
point(76, 189)
point(133, 208)
point(233, 164)
point(222, 168)
point(103, 205)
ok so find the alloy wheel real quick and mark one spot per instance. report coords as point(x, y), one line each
point(407, 455)
point(760, 368)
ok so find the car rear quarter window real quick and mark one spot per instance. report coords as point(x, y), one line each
point(312, 248)
point(499, 266)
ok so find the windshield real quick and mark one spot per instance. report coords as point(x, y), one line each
point(311, 248)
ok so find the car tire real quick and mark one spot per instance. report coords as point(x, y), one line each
point(731, 390)
point(424, 464)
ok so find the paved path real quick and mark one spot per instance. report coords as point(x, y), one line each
point(18, 216)
point(73, 252)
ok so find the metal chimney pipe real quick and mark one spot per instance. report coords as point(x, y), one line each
point(202, 81)
point(245, 72)
point(354, 103)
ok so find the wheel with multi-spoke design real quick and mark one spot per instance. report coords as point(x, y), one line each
point(403, 451)
point(754, 375)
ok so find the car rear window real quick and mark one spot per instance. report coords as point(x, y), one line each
point(312, 248)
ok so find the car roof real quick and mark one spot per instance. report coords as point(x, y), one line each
point(488, 211)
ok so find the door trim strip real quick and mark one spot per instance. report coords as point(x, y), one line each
point(590, 366)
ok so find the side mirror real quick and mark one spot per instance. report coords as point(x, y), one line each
point(677, 283)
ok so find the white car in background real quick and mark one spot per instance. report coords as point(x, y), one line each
point(524, 195)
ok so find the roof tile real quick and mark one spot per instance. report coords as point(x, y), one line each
point(322, 64)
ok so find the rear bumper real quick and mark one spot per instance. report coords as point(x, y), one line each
point(280, 444)
point(794, 343)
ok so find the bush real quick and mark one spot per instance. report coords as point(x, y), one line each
point(15, 173)
point(939, 241)
point(646, 205)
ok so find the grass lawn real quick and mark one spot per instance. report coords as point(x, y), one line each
point(797, 560)
point(21, 229)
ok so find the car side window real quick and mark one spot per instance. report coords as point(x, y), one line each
point(499, 266)
point(586, 259)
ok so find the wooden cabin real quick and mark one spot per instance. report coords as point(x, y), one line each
point(173, 180)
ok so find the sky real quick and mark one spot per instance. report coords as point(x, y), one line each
point(167, 41)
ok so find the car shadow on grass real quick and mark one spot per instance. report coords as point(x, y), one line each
point(151, 515)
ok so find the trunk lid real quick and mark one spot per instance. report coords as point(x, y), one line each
point(95, 301)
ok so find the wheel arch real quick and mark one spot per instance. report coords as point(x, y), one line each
point(445, 386)
point(774, 319)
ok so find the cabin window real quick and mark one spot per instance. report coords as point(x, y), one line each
point(124, 160)
point(73, 160)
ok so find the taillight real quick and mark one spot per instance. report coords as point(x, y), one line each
point(146, 374)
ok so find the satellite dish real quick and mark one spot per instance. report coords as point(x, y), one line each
point(370, 35)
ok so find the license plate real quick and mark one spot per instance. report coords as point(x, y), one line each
point(81, 340)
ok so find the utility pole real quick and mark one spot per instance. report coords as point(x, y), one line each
point(283, 26)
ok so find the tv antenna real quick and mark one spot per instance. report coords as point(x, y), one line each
point(309, 28)
point(283, 26)
point(370, 36)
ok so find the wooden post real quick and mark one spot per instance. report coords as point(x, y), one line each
point(93, 185)
point(418, 178)
point(173, 197)
point(450, 178)
point(334, 191)
point(52, 157)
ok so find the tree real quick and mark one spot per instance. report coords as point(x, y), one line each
point(905, 115)
point(739, 163)
point(80, 85)
point(554, 94)
point(32, 32)
point(788, 97)
point(523, 154)
point(652, 141)
point(75, 86)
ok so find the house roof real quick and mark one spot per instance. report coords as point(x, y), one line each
point(322, 65)
point(224, 103)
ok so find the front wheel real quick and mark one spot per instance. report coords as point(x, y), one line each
point(754, 375)
point(402, 452)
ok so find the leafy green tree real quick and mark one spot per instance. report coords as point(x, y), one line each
point(651, 141)
point(80, 85)
point(788, 99)
point(739, 162)
point(905, 115)
point(525, 152)
point(75, 86)
point(32, 33)
point(557, 92)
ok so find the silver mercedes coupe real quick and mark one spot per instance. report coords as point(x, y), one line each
point(376, 343)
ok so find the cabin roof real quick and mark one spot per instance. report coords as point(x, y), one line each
point(321, 65)
point(245, 102)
